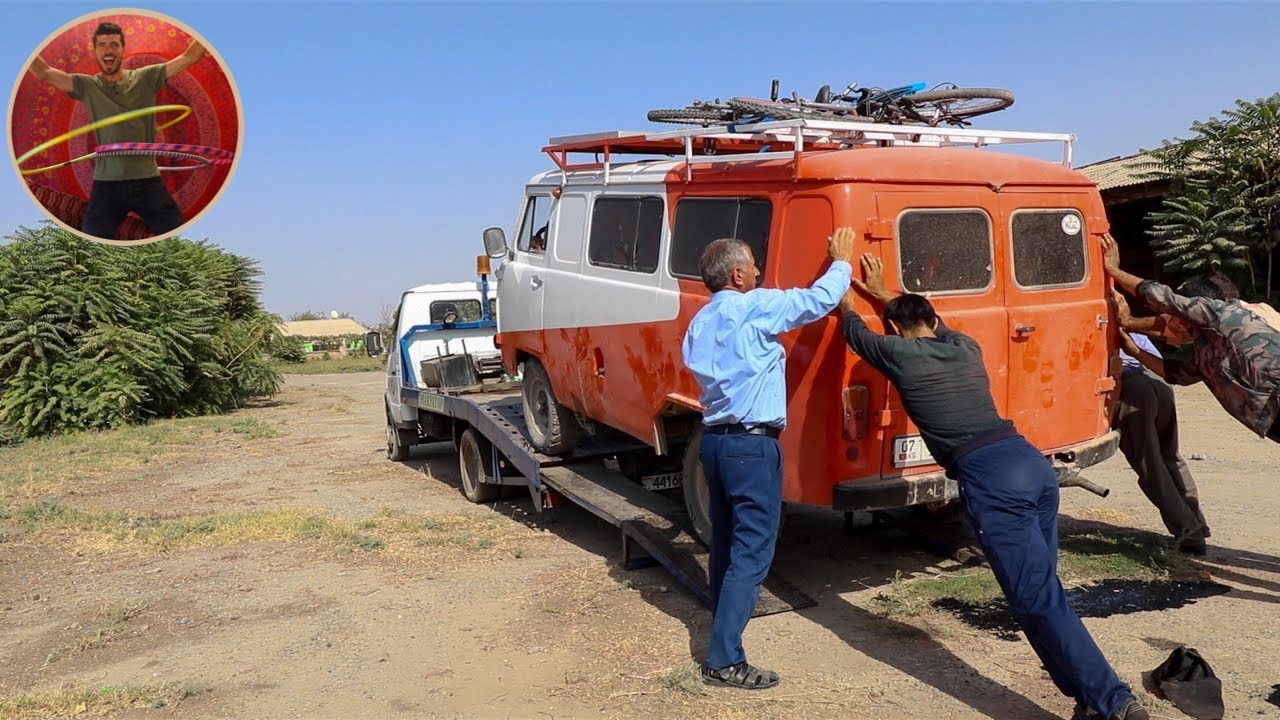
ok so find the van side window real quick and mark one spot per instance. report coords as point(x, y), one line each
point(462, 311)
point(625, 233)
point(944, 250)
point(1048, 248)
point(493, 309)
point(699, 221)
point(536, 224)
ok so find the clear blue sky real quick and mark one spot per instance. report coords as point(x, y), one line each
point(380, 139)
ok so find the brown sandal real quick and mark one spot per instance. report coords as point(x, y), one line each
point(743, 675)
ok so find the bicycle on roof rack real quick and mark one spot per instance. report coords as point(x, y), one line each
point(900, 105)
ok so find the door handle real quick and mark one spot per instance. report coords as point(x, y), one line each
point(535, 282)
point(1024, 329)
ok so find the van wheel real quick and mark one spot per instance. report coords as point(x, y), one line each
point(398, 441)
point(697, 496)
point(553, 428)
point(474, 453)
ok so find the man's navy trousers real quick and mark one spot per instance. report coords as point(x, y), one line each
point(1010, 493)
point(744, 477)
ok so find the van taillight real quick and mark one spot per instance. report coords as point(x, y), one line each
point(855, 412)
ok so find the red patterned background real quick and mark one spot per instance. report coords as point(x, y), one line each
point(41, 112)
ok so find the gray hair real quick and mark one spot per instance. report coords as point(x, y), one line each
point(719, 260)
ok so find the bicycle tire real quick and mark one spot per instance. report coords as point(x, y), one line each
point(986, 100)
point(691, 116)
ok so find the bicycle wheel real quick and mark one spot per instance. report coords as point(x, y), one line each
point(692, 116)
point(960, 103)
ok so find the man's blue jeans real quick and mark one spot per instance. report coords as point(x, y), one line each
point(1010, 493)
point(744, 476)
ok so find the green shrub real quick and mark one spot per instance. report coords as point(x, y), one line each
point(97, 336)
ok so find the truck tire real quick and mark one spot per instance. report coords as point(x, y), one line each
point(697, 497)
point(473, 462)
point(398, 441)
point(553, 428)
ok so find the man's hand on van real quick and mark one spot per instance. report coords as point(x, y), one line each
point(1123, 316)
point(1129, 346)
point(873, 282)
point(1110, 254)
point(840, 244)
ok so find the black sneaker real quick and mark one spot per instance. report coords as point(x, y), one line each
point(1198, 549)
point(1131, 710)
point(743, 675)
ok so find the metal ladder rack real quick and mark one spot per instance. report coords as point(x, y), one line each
point(796, 137)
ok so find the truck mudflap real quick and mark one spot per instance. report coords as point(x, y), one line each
point(895, 492)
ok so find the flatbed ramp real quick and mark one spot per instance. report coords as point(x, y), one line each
point(651, 524)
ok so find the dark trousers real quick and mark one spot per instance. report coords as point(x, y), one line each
point(744, 476)
point(1010, 493)
point(1148, 425)
point(111, 200)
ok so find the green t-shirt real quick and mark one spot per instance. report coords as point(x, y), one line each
point(136, 90)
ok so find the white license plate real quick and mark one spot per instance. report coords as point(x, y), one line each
point(664, 481)
point(909, 451)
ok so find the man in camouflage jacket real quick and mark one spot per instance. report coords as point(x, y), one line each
point(1235, 351)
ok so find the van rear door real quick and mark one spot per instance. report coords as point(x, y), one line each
point(942, 243)
point(1057, 318)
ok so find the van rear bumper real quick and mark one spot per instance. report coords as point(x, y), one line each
point(896, 492)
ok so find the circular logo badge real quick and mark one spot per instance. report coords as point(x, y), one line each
point(1070, 224)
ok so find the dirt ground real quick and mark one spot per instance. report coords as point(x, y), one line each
point(286, 569)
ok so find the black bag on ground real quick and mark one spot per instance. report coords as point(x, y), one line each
point(1187, 681)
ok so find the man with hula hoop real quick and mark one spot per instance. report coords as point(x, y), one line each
point(122, 183)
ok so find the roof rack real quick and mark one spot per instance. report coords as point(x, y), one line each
point(708, 144)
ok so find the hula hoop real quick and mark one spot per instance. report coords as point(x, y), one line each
point(210, 152)
point(201, 160)
point(122, 117)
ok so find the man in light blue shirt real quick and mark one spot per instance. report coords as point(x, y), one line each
point(1148, 423)
point(733, 350)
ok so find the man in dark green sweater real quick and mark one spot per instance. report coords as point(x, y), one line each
point(1009, 490)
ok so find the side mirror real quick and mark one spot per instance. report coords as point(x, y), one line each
point(495, 242)
point(373, 343)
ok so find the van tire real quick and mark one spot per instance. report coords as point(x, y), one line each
point(398, 441)
point(473, 459)
point(553, 428)
point(697, 496)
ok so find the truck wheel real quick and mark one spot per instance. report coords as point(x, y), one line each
point(553, 428)
point(474, 453)
point(697, 497)
point(398, 441)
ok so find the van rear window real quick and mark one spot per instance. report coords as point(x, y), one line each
point(625, 233)
point(702, 220)
point(463, 311)
point(1048, 248)
point(944, 250)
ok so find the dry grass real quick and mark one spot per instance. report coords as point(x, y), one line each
point(46, 466)
point(400, 534)
point(66, 702)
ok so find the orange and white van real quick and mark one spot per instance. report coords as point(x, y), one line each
point(602, 279)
